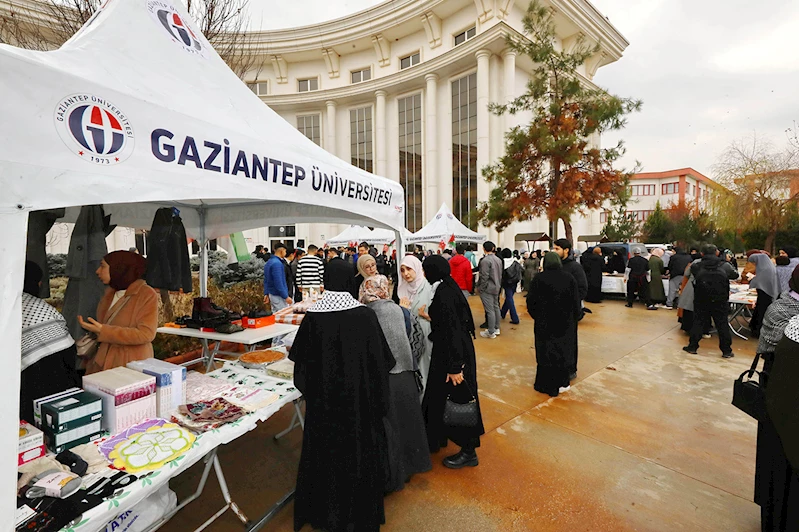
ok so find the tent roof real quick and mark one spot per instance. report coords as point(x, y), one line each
point(359, 233)
point(137, 111)
point(592, 238)
point(444, 226)
point(532, 237)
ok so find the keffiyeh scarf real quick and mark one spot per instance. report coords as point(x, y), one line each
point(335, 302)
point(44, 331)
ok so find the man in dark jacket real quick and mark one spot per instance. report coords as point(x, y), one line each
point(676, 268)
point(637, 282)
point(563, 247)
point(712, 277)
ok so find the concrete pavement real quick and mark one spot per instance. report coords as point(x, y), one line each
point(646, 439)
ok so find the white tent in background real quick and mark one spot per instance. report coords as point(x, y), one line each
point(443, 228)
point(355, 234)
point(137, 112)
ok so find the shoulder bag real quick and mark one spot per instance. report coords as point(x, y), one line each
point(462, 415)
point(748, 395)
point(87, 344)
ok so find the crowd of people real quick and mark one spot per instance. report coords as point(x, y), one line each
point(385, 358)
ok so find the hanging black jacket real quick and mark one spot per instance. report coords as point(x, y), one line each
point(168, 264)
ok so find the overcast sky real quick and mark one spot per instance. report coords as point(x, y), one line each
point(709, 71)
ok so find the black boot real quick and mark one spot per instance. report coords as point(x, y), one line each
point(463, 459)
point(204, 309)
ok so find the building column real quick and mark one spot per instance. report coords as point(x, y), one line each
point(509, 84)
point(381, 166)
point(434, 184)
point(483, 117)
point(330, 146)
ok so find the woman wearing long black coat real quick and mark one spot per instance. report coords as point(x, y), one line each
point(554, 304)
point(453, 368)
point(593, 264)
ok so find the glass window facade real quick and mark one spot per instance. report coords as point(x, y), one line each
point(307, 85)
point(357, 76)
point(261, 88)
point(309, 125)
point(464, 148)
point(410, 158)
point(409, 61)
point(465, 35)
point(361, 151)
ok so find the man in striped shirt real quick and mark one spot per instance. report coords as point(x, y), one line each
point(310, 270)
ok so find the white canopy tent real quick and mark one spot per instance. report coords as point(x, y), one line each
point(358, 233)
point(442, 228)
point(137, 112)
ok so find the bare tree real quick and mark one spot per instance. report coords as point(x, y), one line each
point(47, 24)
point(760, 187)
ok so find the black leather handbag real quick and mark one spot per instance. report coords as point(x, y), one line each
point(748, 395)
point(462, 415)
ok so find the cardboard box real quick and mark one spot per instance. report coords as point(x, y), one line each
point(57, 414)
point(31, 443)
point(257, 323)
point(117, 418)
point(170, 381)
point(124, 384)
point(37, 403)
point(80, 441)
point(75, 423)
point(58, 441)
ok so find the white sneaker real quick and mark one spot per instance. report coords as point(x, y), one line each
point(706, 336)
point(487, 334)
point(563, 389)
point(496, 332)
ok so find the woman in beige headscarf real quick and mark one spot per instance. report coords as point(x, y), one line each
point(367, 267)
point(657, 294)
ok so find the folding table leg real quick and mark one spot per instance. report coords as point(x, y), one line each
point(210, 362)
point(296, 420)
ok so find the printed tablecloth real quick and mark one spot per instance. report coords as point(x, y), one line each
point(287, 316)
point(96, 519)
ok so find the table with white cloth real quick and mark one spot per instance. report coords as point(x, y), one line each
point(248, 337)
point(614, 284)
point(741, 301)
point(205, 448)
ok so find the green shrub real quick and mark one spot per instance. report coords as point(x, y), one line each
point(57, 264)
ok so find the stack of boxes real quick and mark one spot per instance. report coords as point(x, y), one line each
point(128, 397)
point(69, 419)
point(170, 384)
point(31, 443)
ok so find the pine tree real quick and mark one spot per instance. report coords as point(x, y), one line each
point(621, 226)
point(549, 167)
point(658, 228)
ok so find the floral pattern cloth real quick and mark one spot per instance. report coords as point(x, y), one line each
point(152, 449)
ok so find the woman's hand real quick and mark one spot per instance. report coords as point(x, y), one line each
point(423, 313)
point(92, 325)
point(455, 378)
point(405, 302)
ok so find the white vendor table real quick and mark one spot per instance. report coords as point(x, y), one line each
point(205, 448)
point(614, 284)
point(740, 302)
point(247, 337)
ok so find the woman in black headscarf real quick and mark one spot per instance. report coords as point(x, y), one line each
point(554, 304)
point(342, 364)
point(453, 368)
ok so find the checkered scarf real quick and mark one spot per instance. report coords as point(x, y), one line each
point(44, 331)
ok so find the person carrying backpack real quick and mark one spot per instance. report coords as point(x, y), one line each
point(511, 277)
point(711, 299)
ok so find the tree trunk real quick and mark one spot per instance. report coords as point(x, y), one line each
point(769, 244)
point(166, 304)
point(553, 229)
point(569, 233)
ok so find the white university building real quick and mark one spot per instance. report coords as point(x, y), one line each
point(402, 90)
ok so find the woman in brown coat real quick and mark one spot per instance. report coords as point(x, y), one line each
point(128, 335)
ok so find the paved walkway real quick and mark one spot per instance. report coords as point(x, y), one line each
point(646, 439)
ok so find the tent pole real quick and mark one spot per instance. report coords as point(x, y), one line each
point(203, 253)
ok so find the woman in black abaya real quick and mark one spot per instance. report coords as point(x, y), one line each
point(554, 304)
point(342, 362)
point(453, 369)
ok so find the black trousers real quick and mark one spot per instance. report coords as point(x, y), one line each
point(718, 312)
point(639, 285)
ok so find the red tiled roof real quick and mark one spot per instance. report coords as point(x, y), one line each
point(675, 174)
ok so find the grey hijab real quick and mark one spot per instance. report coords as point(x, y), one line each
point(392, 321)
point(765, 275)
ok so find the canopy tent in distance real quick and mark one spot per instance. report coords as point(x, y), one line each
point(136, 112)
point(355, 234)
point(445, 227)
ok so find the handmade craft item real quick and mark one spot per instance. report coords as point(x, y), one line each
point(151, 449)
point(259, 359)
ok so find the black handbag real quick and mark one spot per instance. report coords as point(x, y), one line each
point(462, 415)
point(748, 395)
